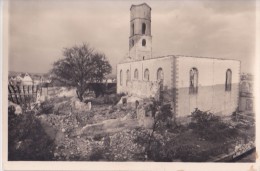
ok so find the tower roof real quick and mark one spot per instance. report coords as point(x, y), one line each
point(145, 4)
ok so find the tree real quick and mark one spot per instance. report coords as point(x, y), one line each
point(80, 66)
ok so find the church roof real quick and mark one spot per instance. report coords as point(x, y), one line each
point(145, 4)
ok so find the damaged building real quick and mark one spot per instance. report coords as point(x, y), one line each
point(187, 82)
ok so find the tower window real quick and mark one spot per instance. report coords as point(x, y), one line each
point(133, 42)
point(143, 28)
point(133, 29)
point(194, 81)
point(143, 42)
point(146, 75)
point(136, 74)
point(228, 80)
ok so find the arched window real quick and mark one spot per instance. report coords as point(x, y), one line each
point(194, 81)
point(143, 28)
point(121, 77)
point(133, 29)
point(133, 42)
point(146, 75)
point(136, 74)
point(160, 74)
point(143, 42)
point(127, 76)
point(228, 80)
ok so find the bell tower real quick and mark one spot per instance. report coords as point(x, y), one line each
point(140, 40)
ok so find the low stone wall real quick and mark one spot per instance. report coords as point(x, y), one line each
point(144, 117)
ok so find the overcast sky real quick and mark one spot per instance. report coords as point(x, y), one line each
point(40, 29)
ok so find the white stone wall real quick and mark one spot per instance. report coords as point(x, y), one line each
point(211, 71)
point(211, 95)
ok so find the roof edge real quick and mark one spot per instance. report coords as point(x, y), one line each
point(141, 5)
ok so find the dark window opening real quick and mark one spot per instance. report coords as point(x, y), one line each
point(133, 29)
point(121, 77)
point(143, 42)
point(146, 75)
point(194, 81)
point(136, 74)
point(143, 57)
point(228, 80)
point(160, 78)
point(133, 42)
point(159, 74)
point(128, 78)
point(143, 28)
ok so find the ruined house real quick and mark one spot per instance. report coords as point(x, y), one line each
point(187, 82)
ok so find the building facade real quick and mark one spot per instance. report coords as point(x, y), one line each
point(187, 82)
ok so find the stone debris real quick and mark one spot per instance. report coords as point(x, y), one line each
point(17, 108)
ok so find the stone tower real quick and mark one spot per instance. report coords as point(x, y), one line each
point(140, 40)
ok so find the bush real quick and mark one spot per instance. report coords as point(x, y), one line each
point(27, 139)
point(211, 127)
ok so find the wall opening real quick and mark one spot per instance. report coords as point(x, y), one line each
point(143, 42)
point(146, 75)
point(133, 29)
point(160, 79)
point(127, 76)
point(143, 28)
point(194, 81)
point(121, 77)
point(133, 42)
point(136, 74)
point(228, 80)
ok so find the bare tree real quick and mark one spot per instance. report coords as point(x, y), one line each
point(80, 66)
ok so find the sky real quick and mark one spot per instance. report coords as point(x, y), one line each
point(39, 30)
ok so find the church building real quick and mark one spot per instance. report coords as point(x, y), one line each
point(187, 82)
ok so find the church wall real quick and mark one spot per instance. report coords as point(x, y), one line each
point(166, 63)
point(211, 94)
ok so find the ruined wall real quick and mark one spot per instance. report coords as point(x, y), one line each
point(141, 87)
point(211, 95)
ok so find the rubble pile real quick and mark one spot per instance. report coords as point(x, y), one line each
point(106, 132)
point(124, 147)
point(241, 148)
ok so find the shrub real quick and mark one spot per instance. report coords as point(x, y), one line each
point(27, 139)
point(211, 127)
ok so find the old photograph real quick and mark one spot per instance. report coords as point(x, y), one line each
point(131, 81)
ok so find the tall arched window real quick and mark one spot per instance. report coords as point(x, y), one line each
point(228, 80)
point(121, 77)
point(133, 42)
point(160, 74)
point(133, 29)
point(194, 80)
point(160, 78)
point(127, 76)
point(143, 28)
point(146, 75)
point(143, 42)
point(136, 74)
